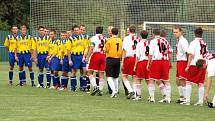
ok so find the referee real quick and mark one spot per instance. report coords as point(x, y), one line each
point(113, 50)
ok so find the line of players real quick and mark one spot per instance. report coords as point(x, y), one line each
point(140, 58)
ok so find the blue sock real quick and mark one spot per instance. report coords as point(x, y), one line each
point(48, 77)
point(66, 81)
point(58, 81)
point(54, 80)
point(40, 78)
point(32, 78)
point(81, 83)
point(20, 77)
point(10, 75)
point(63, 81)
point(52, 75)
point(73, 83)
point(24, 76)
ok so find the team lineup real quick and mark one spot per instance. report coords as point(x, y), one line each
point(99, 56)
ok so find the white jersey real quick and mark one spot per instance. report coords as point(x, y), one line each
point(98, 42)
point(142, 50)
point(159, 48)
point(198, 48)
point(181, 49)
point(129, 45)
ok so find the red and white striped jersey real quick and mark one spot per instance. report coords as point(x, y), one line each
point(181, 49)
point(129, 45)
point(98, 42)
point(142, 50)
point(159, 48)
point(198, 48)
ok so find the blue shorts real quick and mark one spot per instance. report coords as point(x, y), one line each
point(65, 66)
point(24, 59)
point(12, 59)
point(42, 63)
point(77, 62)
point(55, 64)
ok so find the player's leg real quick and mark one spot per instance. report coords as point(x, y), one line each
point(101, 83)
point(137, 89)
point(83, 77)
point(151, 90)
point(21, 68)
point(28, 63)
point(48, 74)
point(11, 67)
point(41, 64)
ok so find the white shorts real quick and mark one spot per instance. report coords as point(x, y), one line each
point(211, 67)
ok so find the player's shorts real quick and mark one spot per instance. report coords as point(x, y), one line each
point(12, 59)
point(55, 64)
point(159, 70)
point(112, 67)
point(24, 59)
point(128, 66)
point(66, 66)
point(97, 62)
point(141, 71)
point(196, 75)
point(180, 72)
point(77, 62)
point(211, 68)
point(42, 62)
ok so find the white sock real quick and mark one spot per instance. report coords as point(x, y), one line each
point(162, 89)
point(128, 86)
point(184, 91)
point(93, 80)
point(201, 93)
point(116, 83)
point(180, 91)
point(151, 89)
point(101, 84)
point(168, 90)
point(135, 89)
point(188, 92)
point(138, 89)
point(213, 101)
point(111, 84)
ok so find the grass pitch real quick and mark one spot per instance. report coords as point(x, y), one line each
point(33, 104)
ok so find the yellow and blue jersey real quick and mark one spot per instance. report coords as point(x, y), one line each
point(77, 45)
point(86, 39)
point(54, 47)
point(11, 42)
point(41, 44)
point(24, 43)
point(65, 46)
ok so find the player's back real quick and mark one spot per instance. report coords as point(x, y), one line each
point(114, 47)
point(98, 41)
point(129, 44)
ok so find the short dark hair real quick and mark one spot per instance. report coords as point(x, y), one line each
point(144, 34)
point(75, 26)
point(132, 28)
point(163, 33)
point(54, 31)
point(23, 26)
point(63, 32)
point(156, 31)
point(41, 27)
point(99, 30)
point(13, 26)
point(198, 32)
point(114, 31)
point(82, 25)
point(179, 28)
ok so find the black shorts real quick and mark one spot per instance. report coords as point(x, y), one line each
point(112, 67)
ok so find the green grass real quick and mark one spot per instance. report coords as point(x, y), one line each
point(32, 104)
